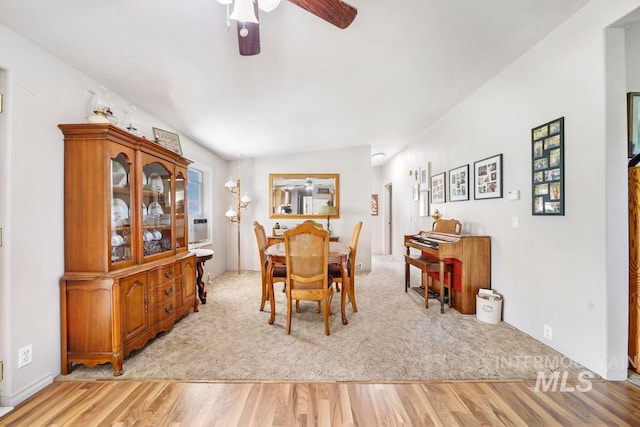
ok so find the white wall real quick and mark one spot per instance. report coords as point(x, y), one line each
point(632, 47)
point(352, 164)
point(41, 93)
point(568, 272)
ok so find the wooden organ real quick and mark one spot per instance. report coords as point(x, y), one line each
point(470, 256)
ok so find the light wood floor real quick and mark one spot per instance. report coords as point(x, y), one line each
point(164, 403)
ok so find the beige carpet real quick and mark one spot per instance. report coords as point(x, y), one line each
point(391, 338)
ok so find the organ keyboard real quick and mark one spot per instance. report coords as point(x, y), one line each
point(470, 256)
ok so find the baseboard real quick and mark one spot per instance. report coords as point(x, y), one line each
point(26, 392)
point(616, 374)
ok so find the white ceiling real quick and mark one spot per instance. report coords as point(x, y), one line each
point(382, 82)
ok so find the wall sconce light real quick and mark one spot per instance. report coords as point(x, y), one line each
point(233, 215)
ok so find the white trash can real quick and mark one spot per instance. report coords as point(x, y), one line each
point(488, 306)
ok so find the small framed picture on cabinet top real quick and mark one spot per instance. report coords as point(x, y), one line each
point(168, 140)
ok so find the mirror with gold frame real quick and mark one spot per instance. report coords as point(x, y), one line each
point(297, 195)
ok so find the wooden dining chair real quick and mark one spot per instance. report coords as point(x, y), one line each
point(279, 271)
point(307, 258)
point(335, 273)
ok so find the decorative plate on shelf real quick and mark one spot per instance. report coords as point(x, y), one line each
point(144, 209)
point(155, 181)
point(144, 179)
point(118, 174)
point(119, 210)
point(155, 209)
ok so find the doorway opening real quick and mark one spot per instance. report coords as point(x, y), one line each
point(388, 219)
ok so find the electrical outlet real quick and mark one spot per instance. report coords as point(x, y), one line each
point(548, 332)
point(25, 354)
point(359, 266)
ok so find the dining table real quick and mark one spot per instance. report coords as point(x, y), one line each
point(338, 254)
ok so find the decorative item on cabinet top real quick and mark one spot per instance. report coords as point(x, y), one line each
point(168, 140)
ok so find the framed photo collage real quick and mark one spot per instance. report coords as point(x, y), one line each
point(547, 166)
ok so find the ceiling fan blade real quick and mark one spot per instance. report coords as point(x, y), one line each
point(249, 36)
point(333, 11)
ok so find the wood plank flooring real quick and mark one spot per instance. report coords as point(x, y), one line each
point(175, 403)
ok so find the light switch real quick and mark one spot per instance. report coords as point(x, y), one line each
point(513, 195)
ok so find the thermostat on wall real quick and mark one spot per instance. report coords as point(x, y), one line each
point(513, 195)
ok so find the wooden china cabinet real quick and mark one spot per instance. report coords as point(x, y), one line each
point(128, 272)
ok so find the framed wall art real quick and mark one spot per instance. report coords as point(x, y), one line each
point(425, 197)
point(547, 168)
point(459, 184)
point(633, 123)
point(487, 175)
point(374, 204)
point(439, 188)
point(168, 140)
point(424, 178)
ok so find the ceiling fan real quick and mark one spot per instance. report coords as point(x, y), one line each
point(245, 12)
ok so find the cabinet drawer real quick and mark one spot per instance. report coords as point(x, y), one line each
point(165, 310)
point(164, 274)
point(166, 291)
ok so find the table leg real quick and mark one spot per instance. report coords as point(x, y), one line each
point(441, 286)
point(202, 293)
point(346, 289)
point(406, 273)
point(272, 299)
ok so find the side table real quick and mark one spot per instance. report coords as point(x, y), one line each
point(202, 256)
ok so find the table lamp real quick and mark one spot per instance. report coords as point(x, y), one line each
point(328, 211)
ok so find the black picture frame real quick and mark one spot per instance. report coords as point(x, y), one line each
point(487, 178)
point(459, 183)
point(547, 168)
point(633, 123)
point(439, 188)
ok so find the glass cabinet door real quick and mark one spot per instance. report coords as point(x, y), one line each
point(180, 217)
point(121, 221)
point(156, 209)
